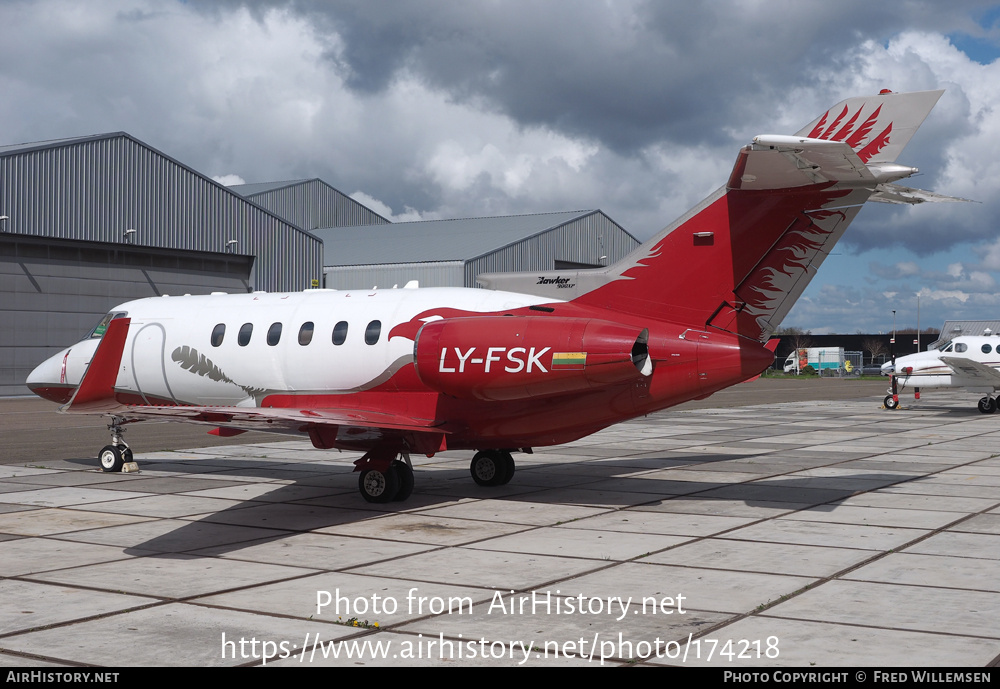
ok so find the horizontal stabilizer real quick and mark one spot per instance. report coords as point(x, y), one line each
point(894, 193)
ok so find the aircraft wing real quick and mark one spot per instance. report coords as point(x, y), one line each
point(285, 419)
point(975, 371)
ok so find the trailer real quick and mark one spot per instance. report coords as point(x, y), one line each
point(820, 358)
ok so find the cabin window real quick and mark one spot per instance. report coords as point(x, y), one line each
point(340, 333)
point(274, 334)
point(306, 333)
point(218, 333)
point(372, 332)
point(246, 330)
point(987, 349)
point(961, 347)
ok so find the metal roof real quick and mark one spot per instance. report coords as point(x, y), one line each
point(434, 240)
point(953, 329)
point(97, 188)
point(10, 149)
point(309, 203)
point(248, 190)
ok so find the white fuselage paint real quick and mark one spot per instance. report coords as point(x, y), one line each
point(231, 374)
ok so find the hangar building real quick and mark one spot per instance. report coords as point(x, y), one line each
point(452, 253)
point(309, 203)
point(87, 223)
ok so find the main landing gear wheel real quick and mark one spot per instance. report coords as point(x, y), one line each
point(890, 403)
point(987, 405)
point(376, 486)
point(492, 467)
point(114, 457)
point(405, 475)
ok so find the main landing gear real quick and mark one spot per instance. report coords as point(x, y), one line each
point(492, 467)
point(987, 405)
point(391, 484)
point(386, 474)
point(116, 455)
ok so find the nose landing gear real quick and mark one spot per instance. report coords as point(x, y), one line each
point(115, 456)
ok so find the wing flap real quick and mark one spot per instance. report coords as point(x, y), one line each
point(285, 419)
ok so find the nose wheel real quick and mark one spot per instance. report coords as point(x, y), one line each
point(115, 456)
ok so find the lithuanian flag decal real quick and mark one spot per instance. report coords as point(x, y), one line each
point(569, 360)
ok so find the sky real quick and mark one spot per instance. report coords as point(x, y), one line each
point(468, 108)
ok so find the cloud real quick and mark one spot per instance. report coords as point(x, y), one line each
point(451, 109)
point(229, 180)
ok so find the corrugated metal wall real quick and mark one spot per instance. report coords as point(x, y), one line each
point(97, 188)
point(584, 240)
point(313, 204)
point(54, 291)
point(442, 274)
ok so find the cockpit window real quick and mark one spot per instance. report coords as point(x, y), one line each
point(102, 327)
point(961, 347)
point(948, 348)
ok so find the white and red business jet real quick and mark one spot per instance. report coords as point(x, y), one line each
point(538, 359)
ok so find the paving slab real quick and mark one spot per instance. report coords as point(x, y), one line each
point(826, 532)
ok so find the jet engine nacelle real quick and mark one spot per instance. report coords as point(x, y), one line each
point(515, 357)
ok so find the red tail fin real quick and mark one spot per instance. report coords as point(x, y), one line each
point(740, 260)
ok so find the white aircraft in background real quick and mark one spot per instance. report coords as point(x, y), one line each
point(538, 359)
point(968, 362)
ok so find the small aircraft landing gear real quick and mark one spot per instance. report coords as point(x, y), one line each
point(492, 467)
point(890, 403)
point(114, 456)
point(987, 405)
point(383, 477)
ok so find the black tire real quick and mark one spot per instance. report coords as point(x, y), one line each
point(405, 476)
point(507, 465)
point(987, 405)
point(890, 403)
point(487, 468)
point(112, 458)
point(378, 487)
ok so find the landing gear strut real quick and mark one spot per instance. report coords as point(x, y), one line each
point(987, 405)
point(492, 467)
point(114, 456)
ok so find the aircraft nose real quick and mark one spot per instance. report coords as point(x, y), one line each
point(48, 379)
